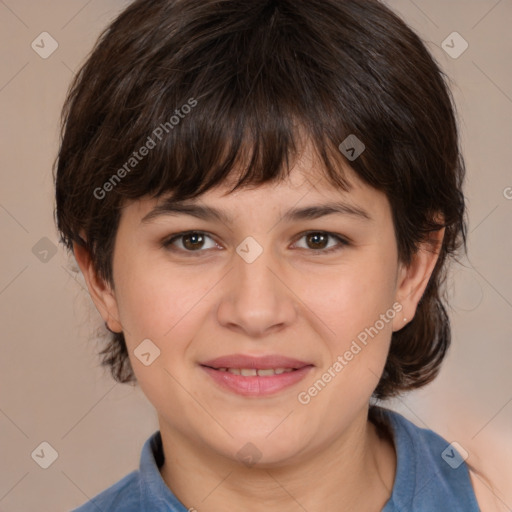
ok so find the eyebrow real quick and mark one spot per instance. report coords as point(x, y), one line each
point(203, 212)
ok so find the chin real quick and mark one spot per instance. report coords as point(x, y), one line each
point(256, 448)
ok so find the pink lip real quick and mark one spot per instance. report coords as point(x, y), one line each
point(256, 385)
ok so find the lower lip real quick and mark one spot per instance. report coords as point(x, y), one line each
point(257, 386)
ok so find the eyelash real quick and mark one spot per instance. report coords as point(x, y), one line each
point(342, 242)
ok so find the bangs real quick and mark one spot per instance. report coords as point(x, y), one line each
point(238, 148)
point(228, 104)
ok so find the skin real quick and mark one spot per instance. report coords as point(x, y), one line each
point(292, 301)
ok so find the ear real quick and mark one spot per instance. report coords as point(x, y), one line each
point(413, 279)
point(100, 292)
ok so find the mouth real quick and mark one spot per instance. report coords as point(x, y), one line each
point(256, 376)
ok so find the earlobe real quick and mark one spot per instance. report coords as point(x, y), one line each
point(100, 292)
point(413, 279)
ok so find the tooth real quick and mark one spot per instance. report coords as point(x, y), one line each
point(253, 372)
point(265, 373)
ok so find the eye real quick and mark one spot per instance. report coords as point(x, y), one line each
point(194, 242)
point(190, 241)
point(318, 239)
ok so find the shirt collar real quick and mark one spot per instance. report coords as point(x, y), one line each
point(153, 489)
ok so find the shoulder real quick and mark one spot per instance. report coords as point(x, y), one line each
point(480, 488)
point(124, 495)
point(142, 489)
point(431, 472)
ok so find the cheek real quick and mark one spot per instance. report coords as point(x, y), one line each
point(154, 302)
point(167, 306)
point(350, 298)
point(351, 303)
point(163, 307)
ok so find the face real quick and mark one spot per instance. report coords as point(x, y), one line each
point(299, 309)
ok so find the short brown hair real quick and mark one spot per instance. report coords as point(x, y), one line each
point(260, 73)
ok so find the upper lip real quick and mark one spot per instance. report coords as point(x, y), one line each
point(259, 362)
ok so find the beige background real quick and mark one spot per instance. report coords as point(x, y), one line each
point(52, 388)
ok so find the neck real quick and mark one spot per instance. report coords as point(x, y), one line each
point(355, 472)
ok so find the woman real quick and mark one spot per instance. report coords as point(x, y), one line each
point(263, 197)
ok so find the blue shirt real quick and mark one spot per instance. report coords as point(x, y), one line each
point(430, 476)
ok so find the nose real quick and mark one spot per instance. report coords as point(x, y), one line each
point(256, 300)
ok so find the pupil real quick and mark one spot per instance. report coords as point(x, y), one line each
point(192, 236)
point(316, 236)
